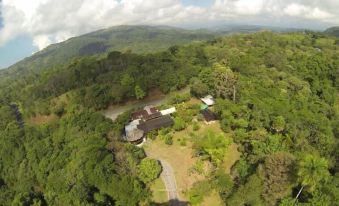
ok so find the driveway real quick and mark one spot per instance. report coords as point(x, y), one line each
point(168, 177)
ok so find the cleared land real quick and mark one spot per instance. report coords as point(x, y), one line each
point(182, 158)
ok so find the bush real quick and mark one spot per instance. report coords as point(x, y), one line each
point(182, 142)
point(179, 124)
point(59, 110)
point(199, 191)
point(152, 135)
point(168, 139)
point(196, 126)
point(179, 98)
point(148, 170)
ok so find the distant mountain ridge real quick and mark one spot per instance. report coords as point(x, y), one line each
point(333, 31)
point(138, 39)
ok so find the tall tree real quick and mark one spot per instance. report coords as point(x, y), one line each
point(225, 81)
point(312, 170)
point(139, 93)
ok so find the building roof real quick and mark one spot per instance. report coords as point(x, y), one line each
point(134, 135)
point(144, 113)
point(152, 116)
point(208, 115)
point(168, 111)
point(157, 123)
point(203, 106)
point(208, 100)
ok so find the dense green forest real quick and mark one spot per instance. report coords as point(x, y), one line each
point(277, 94)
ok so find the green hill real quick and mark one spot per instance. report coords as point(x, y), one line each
point(137, 39)
point(333, 31)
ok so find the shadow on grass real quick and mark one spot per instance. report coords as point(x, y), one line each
point(171, 203)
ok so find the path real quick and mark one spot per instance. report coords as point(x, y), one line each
point(168, 177)
point(114, 111)
point(18, 115)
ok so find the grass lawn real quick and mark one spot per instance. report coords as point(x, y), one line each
point(158, 191)
point(179, 157)
point(213, 199)
point(182, 160)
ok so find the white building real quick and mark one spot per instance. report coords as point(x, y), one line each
point(208, 100)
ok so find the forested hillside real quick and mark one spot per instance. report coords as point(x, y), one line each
point(277, 97)
point(333, 31)
point(136, 39)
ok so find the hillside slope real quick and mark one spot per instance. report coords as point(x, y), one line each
point(138, 39)
point(333, 31)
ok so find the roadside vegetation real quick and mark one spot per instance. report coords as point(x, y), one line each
point(275, 143)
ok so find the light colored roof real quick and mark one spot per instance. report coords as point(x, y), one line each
point(132, 125)
point(168, 111)
point(134, 135)
point(208, 100)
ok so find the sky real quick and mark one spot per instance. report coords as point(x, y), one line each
point(27, 26)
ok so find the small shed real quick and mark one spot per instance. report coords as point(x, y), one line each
point(208, 100)
point(203, 106)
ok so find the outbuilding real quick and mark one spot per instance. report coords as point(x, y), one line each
point(208, 100)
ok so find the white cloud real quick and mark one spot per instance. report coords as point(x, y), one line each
point(50, 21)
point(41, 41)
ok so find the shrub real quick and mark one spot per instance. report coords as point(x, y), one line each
point(199, 190)
point(148, 170)
point(196, 126)
point(179, 124)
point(169, 139)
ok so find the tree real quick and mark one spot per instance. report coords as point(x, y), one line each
point(311, 171)
point(127, 83)
point(212, 145)
point(139, 93)
point(278, 124)
point(225, 81)
point(148, 170)
point(198, 88)
point(277, 172)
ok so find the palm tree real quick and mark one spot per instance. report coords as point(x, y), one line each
point(311, 170)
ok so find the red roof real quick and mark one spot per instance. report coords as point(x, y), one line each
point(143, 114)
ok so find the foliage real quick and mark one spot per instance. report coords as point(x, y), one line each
point(286, 106)
point(212, 145)
point(139, 93)
point(277, 172)
point(179, 124)
point(312, 170)
point(199, 191)
point(149, 170)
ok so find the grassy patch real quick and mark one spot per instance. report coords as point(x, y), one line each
point(181, 156)
point(212, 199)
point(158, 191)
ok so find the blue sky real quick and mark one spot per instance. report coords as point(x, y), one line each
point(15, 49)
point(31, 25)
